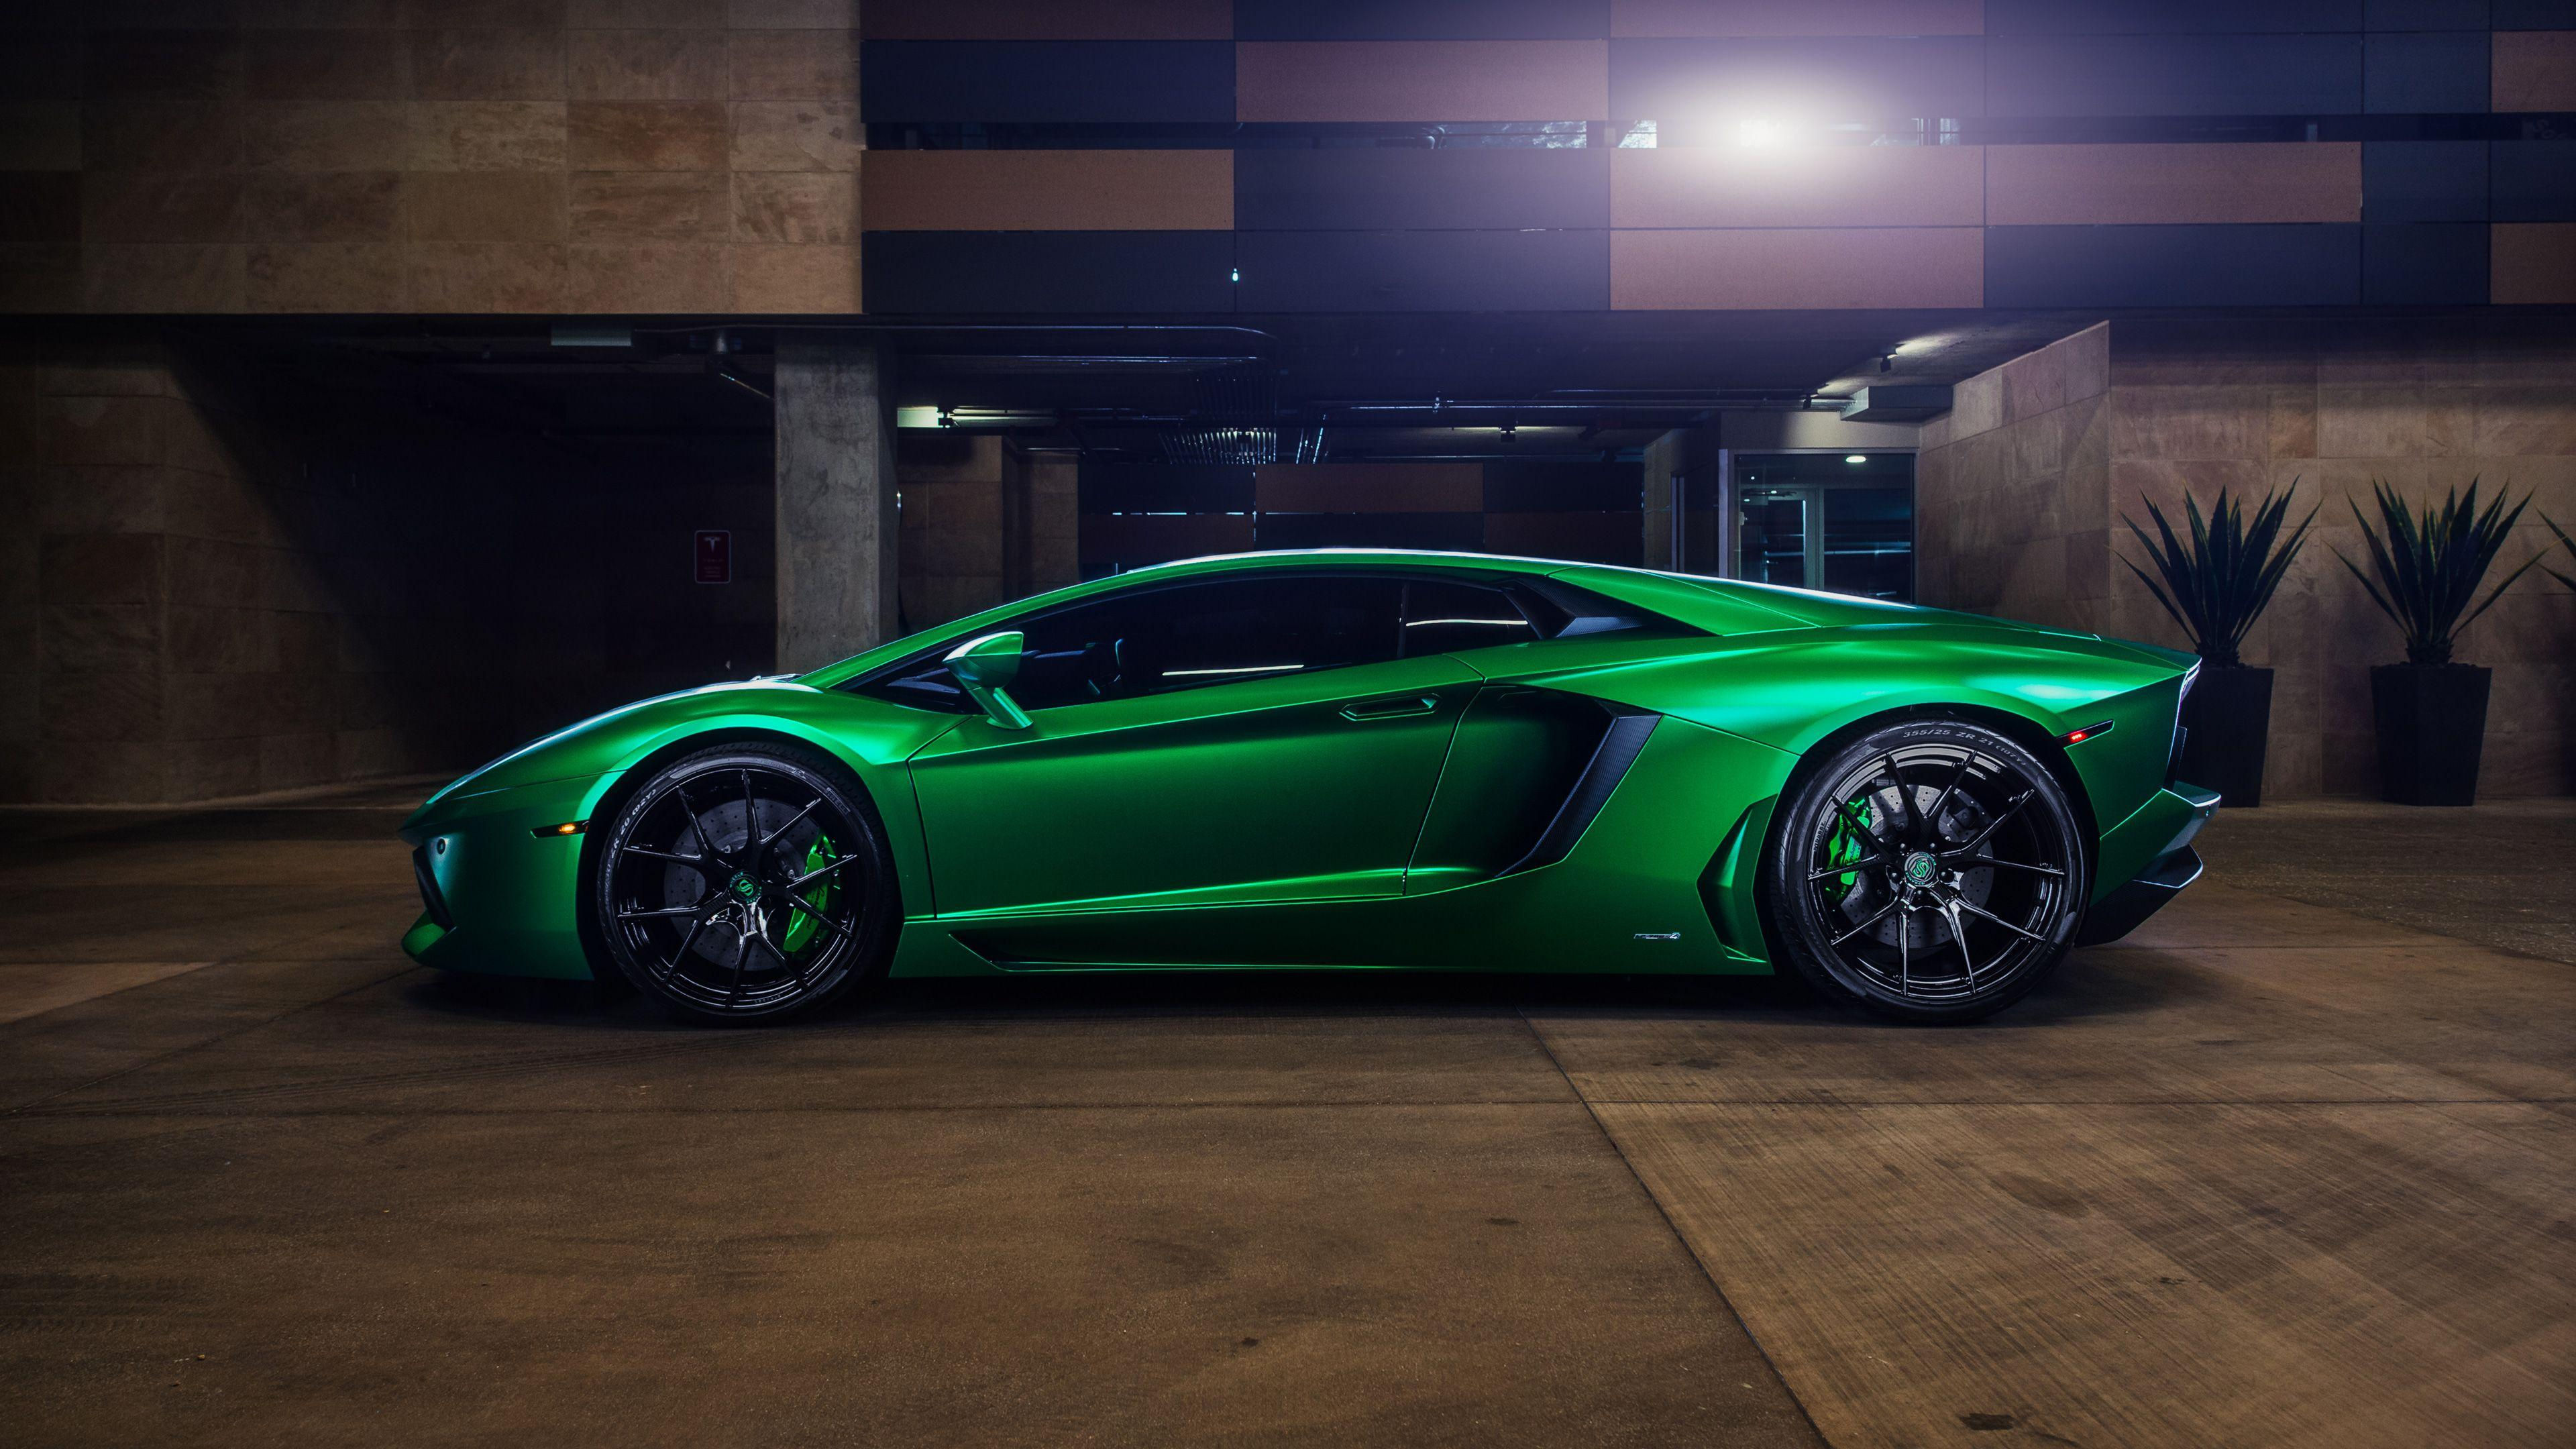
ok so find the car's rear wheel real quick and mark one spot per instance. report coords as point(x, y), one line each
point(1930, 871)
point(745, 884)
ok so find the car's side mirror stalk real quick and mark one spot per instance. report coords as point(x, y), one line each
point(984, 667)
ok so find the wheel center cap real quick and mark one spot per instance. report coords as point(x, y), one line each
point(1920, 868)
point(744, 887)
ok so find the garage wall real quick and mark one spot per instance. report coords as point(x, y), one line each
point(217, 585)
point(2021, 488)
point(439, 156)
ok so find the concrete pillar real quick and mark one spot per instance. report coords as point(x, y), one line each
point(836, 503)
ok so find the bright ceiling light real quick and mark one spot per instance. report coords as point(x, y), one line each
point(1856, 457)
point(1751, 132)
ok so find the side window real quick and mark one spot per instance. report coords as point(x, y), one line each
point(1443, 617)
point(1194, 635)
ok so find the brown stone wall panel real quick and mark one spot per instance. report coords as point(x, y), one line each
point(327, 65)
point(327, 206)
point(794, 65)
point(100, 707)
point(777, 280)
point(320, 15)
point(157, 277)
point(1049, 20)
point(1797, 269)
point(2533, 70)
point(475, 277)
point(493, 206)
point(1369, 488)
point(1421, 80)
point(326, 136)
point(487, 136)
point(189, 135)
point(1048, 191)
point(87, 569)
point(647, 135)
point(645, 14)
point(487, 65)
point(101, 638)
point(1824, 186)
point(792, 14)
point(161, 65)
point(2166, 184)
point(325, 277)
point(645, 65)
point(483, 14)
point(665, 277)
point(651, 206)
point(1654, 19)
point(160, 206)
point(797, 208)
point(797, 136)
point(2532, 263)
point(2395, 421)
point(39, 135)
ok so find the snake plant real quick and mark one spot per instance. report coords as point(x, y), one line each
point(2218, 584)
point(2567, 579)
point(2426, 571)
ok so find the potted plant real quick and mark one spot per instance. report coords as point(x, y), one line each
point(2424, 574)
point(2567, 579)
point(2216, 586)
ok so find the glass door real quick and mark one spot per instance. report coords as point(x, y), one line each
point(1842, 522)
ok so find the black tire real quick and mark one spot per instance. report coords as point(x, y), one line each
point(745, 883)
point(1931, 871)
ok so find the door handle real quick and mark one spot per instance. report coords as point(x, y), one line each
point(1401, 706)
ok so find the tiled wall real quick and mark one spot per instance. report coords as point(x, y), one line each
point(203, 596)
point(438, 156)
point(2021, 489)
point(705, 156)
point(983, 521)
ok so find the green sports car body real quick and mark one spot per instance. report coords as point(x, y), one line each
point(1348, 759)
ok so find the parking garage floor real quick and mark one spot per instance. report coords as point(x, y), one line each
point(2292, 1166)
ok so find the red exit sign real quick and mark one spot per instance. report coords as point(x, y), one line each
point(715, 556)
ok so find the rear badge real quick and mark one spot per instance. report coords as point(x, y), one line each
point(1659, 935)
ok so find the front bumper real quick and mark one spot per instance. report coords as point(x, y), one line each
point(497, 897)
point(2173, 867)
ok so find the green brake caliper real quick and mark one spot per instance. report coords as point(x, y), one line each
point(1845, 846)
point(802, 928)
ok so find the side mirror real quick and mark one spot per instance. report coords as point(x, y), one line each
point(984, 668)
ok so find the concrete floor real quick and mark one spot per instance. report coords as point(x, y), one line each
point(2286, 1168)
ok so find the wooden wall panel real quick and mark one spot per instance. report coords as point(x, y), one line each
point(1759, 270)
point(1421, 19)
point(1047, 20)
point(1649, 19)
point(2173, 184)
point(1375, 188)
point(2534, 263)
point(1047, 191)
point(1810, 186)
point(2534, 70)
point(1369, 488)
point(1422, 80)
point(2301, 265)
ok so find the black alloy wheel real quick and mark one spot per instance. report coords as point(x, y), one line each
point(745, 884)
point(1932, 871)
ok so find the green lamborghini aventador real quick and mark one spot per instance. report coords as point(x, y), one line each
point(1348, 759)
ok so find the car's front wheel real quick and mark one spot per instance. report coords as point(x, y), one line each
point(743, 884)
point(1930, 871)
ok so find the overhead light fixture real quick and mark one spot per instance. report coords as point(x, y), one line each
point(916, 417)
point(1856, 457)
point(1755, 132)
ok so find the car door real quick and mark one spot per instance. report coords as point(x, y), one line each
point(1259, 736)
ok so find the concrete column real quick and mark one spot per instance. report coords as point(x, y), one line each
point(836, 503)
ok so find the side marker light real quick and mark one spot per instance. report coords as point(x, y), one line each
point(569, 827)
point(2077, 737)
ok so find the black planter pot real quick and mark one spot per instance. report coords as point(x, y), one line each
point(2432, 722)
point(2229, 716)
